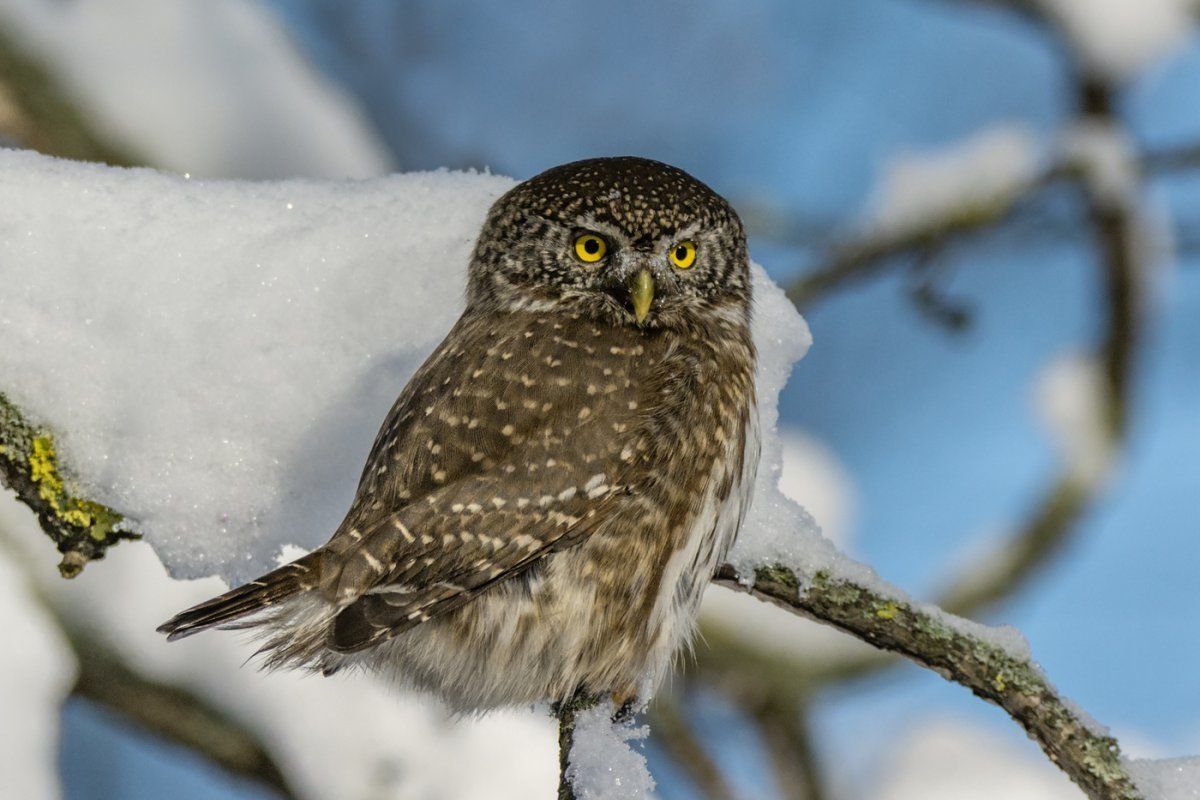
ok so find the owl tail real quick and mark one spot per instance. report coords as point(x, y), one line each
point(275, 587)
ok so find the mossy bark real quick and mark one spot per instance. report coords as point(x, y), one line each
point(80, 528)
point(1091, 760)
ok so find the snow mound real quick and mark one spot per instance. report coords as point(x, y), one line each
point(215, 357)
point(355, 737)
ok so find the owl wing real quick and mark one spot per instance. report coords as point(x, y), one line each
point(504, 447)
point(435, 555)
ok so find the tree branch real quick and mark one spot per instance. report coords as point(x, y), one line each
point(36, 112)
point(1090, 759)
point(169, 711)
point(174, 714)
point(872, 252)
point(675, 735)
point(80, 528)
point(566, 713)
point(785, 731)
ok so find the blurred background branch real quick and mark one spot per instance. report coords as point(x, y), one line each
point(37, 113)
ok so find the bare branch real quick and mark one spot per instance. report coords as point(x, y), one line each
point(1090, 759)
point(785, 732)
point(174, 714)
point(169, 711)
point(674, 733)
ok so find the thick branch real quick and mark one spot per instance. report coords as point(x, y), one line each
point(1090, 759)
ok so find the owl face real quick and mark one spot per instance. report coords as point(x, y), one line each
point(627, 240)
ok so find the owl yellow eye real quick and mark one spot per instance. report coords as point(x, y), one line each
point(683, 255)
point(590, 248)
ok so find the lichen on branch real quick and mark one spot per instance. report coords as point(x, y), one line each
point(80, 528)
point(946, 645)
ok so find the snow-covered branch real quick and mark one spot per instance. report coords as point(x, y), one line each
point(957, 650)
point(80, 528)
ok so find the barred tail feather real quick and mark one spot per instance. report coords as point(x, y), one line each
point(258, 595)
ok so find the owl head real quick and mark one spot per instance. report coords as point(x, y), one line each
point(629, 241)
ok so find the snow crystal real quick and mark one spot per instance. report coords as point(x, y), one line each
point(603, 764)
point(210, 87)
point(989, 167)
point(1116, 39)
point(1166, 779)
point(39, 670)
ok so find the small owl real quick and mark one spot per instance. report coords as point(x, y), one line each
point(550, 494)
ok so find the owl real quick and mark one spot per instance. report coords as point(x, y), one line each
point(548, 498)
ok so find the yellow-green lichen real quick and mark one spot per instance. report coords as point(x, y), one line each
point(999, 682)
point(43, 471)
point(887, 611)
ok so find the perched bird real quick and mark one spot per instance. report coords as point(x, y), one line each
point(550, 494)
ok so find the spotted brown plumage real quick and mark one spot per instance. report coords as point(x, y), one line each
point(550, 493)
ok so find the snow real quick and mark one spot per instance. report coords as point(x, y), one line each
point(987, 168)
point(1167, 779)
point(1107, 156)
point(1117, 39)
point(240, 342)
point(354, 738)
point(949, 759)
point(1069, 397)
point(209, 87)
point(812, 476)
point(39, 670)
point(603, 765)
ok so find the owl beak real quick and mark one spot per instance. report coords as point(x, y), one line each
point(641, 291)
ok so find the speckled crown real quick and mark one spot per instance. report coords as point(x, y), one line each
point(644, 197)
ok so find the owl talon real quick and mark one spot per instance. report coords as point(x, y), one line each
point(626, 706)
